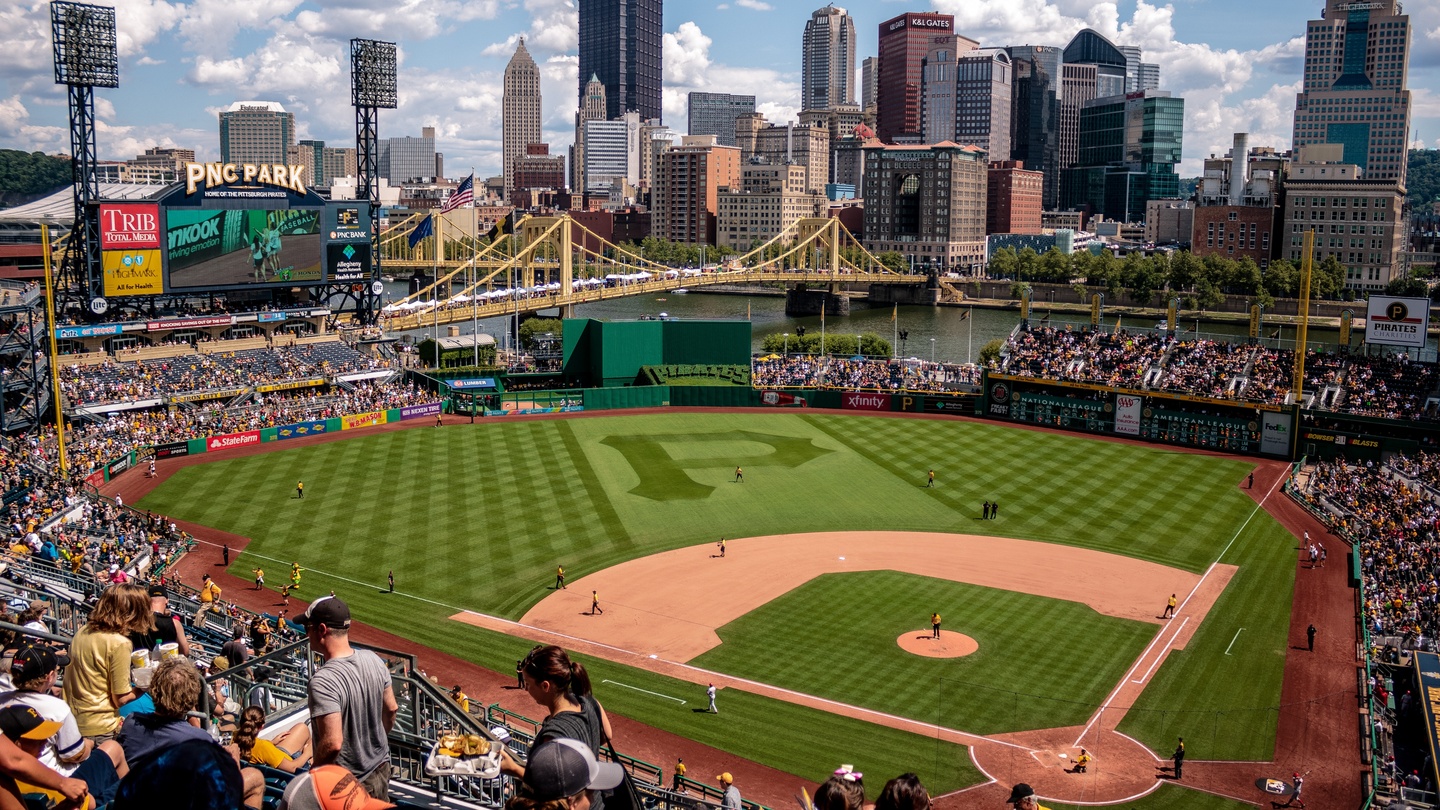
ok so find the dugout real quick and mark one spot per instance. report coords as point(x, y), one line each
point(612, 353)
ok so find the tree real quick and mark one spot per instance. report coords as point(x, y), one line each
point(1003, 263)
point(990, 353)
point(1027, 263)
point(1207, 294)
point(1327, 279)
point(1140, 277)
point(1018, 289)
point(1184, 268)
point(30, 174)
point(1282, 279)
point(533, 328)
point(894, 260)
point(1407, 287)
point(1055, 267)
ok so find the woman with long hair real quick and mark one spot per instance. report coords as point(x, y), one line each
point(97, 682)
point(562, 687)
point(289, 752)
point(904, 792)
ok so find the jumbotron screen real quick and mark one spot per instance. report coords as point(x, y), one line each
point(241, 247)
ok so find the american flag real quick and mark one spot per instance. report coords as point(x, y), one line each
point(464, 194)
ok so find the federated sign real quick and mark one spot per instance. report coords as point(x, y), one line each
point(477, 384)
point(290, 386)
point(417, 411)
point(1392, 321)
point(1127, 414)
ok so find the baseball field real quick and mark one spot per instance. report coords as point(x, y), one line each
point(836, 553)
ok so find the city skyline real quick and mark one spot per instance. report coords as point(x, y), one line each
point(202, 56)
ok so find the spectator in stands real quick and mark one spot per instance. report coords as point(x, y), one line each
point(236, 650)
point(288, 752)
point(209, 600)
point(731, 799)
point(168, 628)
point(29, 775)
point(562, 687)
point(101, 767)
point(191, 775)
point(352, 703)
point(844, 790)
point(563, 774)
point(97, 682)
point(175, 689)
point(904, 792)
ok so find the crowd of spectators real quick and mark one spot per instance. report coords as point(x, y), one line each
point(119, 381)
point(1392, 387)
point(1206, 368)
point(873, 374)
point(1119, 358)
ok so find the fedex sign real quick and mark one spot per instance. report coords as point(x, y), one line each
point(132, 226)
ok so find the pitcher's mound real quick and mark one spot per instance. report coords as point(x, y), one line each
point(949, 645)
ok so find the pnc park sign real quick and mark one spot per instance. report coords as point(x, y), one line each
point(210, 175)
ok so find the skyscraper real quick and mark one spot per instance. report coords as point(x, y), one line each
point(592, 108)
point(403, 160)
point(519, 111)
point(827, 62)
point(1356, 57)
point(904, 43)
point(256, 132)
point(620, 43)
point(1139, 75)
point(937, 87)
point(1091, 48)
point(984, 82)
point(1129, 147)
point(1035, 114)
point(715, 114)
point(1077, 86)
point(869, 66)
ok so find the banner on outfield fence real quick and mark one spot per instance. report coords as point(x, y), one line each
point(477, 384)
point(172, 450)
point(1275, 433)
point(864, 401)
point(1392, 321)
point(230, 440)
point(290, 386)
point(780, 398)
point(1127, 414)
point(360, 420)
point(1427, 671)
point(117, 466)
point(63, 332)
point(300, 430)
point(417, 411)
point(935, 405)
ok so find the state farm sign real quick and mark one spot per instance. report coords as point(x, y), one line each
point(232, 440)
point(861, 401)
point(130, 227)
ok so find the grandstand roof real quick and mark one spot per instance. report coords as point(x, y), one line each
point(465, 341)
point(60, 206)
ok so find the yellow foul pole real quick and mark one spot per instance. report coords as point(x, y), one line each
point(1307, 265)
point(55, 400)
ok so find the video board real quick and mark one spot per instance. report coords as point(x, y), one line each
point(240, 247)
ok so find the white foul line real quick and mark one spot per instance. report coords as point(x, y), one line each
point(1232, 641)
point(1161, 656)
point(646, 691)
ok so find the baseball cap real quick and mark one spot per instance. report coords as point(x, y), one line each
point(327, 610)
point(726, 778)
point(1020, 791)
point(158, 590)
point(562, 767)
point(332, 787)
point(37, 604)
point(33, 661)
point(23, 722)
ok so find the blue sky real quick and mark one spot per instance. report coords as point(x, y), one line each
point(1236, 62)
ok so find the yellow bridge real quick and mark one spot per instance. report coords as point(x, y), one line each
point(554, 261)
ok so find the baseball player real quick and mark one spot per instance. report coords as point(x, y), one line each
point(934, 625)
point(710, 693)
point(1169, 608)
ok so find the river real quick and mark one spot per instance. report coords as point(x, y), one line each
point(954, 338)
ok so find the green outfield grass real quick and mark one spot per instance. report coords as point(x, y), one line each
point(1170, 797)
point(1042, 662)
point(478, 516)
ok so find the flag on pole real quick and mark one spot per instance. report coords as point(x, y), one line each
point(895, 313)
point(965, 314)
point(464, 194)
point(424, 229)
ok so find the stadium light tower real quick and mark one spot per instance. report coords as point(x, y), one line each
point(85, 58)
point(372, 89)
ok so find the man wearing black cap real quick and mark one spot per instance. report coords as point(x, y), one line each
point(352, 704)
point(1023, 798)
point(63, 750)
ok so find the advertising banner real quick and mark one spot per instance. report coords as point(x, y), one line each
point(1427, 669)
point(230, 440)
point(272, 317)
point(782, 399)
point(347, 222)
point(290, 386)
point(209, 248)
point(63, 332)
point(1275, 434)
point(300, 430)
point(863, 401)
point(201, 396)
point(130, 226)
point(117, 466)
point(347, 262)
point(1395, 321)
point(998, 403)
point(956, 406)
point(96, 478)
point(190, 323)
point(172, 450)
point(132, 272)
point(1127, 414)
point(417, 411)
point(359, 420)
point(471, 385)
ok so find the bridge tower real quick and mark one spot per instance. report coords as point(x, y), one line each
point(800, 299)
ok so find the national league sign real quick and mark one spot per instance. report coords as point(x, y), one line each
point(1394, 321)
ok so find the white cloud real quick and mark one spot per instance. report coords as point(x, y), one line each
point(688, 67)
point(210, 25)
point(12, 115)
point(686, 55)
point(406, 19)
point(756, 5)
point(281, 65)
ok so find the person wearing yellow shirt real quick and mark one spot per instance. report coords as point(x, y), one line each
point(460, 698)
point(288, 752)
point(1082, 762)
point(559, 577)
point(934, 625)
point(675, 784)
point(209, 600)
point(1169, 608)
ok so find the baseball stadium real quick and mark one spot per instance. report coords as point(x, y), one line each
point(1099, 563)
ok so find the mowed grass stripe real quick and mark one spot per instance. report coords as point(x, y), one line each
point(1072, 655)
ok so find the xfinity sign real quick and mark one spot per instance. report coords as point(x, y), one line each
point(1392, 321)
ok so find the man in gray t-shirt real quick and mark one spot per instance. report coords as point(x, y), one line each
point(352, 704)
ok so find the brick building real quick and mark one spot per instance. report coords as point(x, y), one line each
point(1013, 198)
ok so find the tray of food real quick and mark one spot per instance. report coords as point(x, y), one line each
point(457, 754)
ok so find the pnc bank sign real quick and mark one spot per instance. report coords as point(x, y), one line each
point(290, 177)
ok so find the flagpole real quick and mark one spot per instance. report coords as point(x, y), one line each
point(435, 291)
point(474, 271)
point(970, 335)
point(895, 330)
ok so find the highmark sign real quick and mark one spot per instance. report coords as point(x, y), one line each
point(210, 175)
